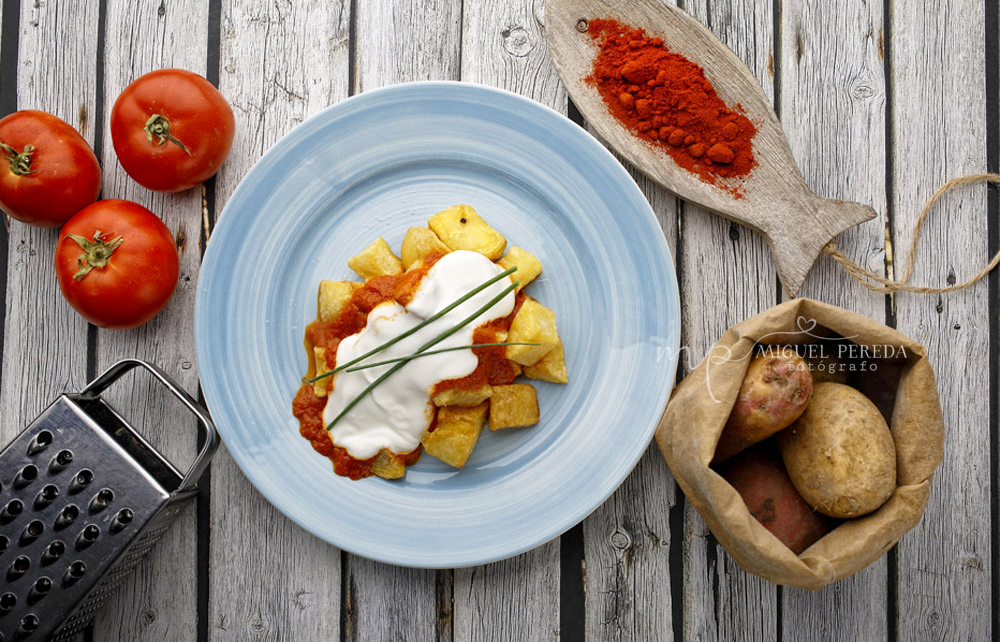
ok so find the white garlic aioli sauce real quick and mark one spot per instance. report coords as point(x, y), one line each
point(397, 412)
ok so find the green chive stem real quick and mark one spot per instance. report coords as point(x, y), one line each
point(430, 344)
point(459, 301)
point(365, 366)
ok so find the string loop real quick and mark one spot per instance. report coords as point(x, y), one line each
point(889, 285)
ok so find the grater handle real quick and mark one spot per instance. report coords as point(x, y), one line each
point(210, 437)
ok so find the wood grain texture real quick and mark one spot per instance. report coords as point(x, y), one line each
point(939, 131)
point(503, 45)
point(45, 341)
point(42, 360)
point(406, 40)
point(833, 110)
point(269, 579)
point(160, 602)
point(727, 275)
point(400, 41)
point(627, 540)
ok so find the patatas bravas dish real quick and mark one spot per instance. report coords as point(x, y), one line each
point(425, 352)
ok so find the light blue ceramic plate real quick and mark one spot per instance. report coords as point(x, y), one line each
point(375, 165)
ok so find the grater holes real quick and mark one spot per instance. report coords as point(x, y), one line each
point(53, 551)
point(62, 459)
point(87, 536)
point(75, 571)
point(81, 481)
point(18, 567)
point(39, 443)
point(122, 519)
point(4, 542)
point(7, 602)
point(66, 516)
point(40, 589)
point(101, 500)
point(27, 626)
point(13, 508)
point(31, 532)
point(46, 496)
point(25, 476)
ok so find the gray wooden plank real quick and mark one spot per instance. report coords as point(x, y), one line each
point(937, 80)
point(160, 600)
point(268, 579)
point(727, 275)
point(832, 93)
point(503, 45)
point(396, 42)
point(45, 341)
point(406, 40)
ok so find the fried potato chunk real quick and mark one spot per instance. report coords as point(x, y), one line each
point(513, 406)
point(418, 243)
point(375, 260)
point(332, 297)
point(551, 367)
point(321, 387)
point(461, 228)
point(456, 434)
point(388, 465)
point(528, 267)
point(534, 323)
point(462, 396)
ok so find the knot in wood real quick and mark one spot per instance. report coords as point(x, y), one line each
point(517, 41)
point(863, 92)
point(149, 616)
point(620, 540)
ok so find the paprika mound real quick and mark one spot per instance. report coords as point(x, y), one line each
point(665, 99)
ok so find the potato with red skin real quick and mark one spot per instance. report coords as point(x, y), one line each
point(776, 388)
point(759, 476)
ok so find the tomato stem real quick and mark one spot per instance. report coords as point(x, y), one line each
point(96, 253)
point(159, 126)
point(20, 164)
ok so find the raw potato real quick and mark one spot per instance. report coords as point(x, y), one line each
point(455, 434)
point(775, 391)
point(840, 454)
point(513, 406)
point(461, 228)
point(528, 267)
point(418, 243)
point(375, 260)
point(759, 476)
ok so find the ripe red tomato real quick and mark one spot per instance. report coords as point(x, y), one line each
point(48, 172)
point(117, 264)
point(171, 130)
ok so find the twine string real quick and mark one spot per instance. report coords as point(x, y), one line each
point(863, 276)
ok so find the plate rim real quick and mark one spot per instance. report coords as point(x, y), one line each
point(613, 164)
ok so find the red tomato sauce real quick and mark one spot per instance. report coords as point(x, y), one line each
point(493, 367)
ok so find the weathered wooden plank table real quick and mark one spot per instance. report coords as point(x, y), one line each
point(882, 101)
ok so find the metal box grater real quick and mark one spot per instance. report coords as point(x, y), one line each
point(83, 497)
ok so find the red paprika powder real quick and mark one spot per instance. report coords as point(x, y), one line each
point(665, 99)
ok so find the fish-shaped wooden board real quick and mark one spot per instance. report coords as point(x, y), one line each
point(775, 200)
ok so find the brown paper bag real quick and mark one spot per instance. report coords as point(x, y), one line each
point(698, 409)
